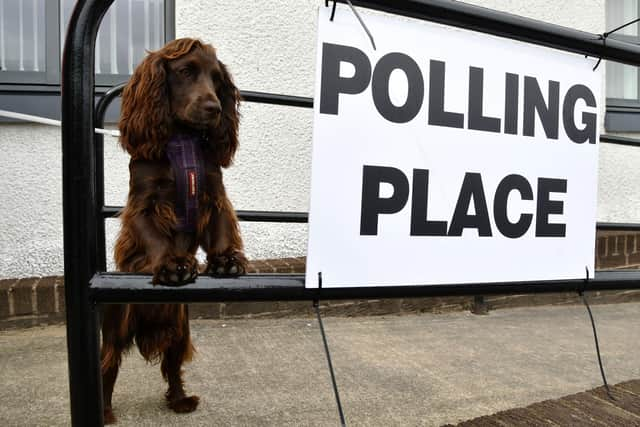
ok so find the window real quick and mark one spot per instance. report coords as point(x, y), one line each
point(32, 39)
point(22, 40)
point(622, 86)
point(128, 30)
point(622, 80)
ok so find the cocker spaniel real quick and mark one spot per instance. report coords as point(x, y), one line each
point(179, 122)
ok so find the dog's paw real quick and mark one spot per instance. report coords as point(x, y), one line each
point(232, 264)
point(108, 416)
point(184, 404)
point(176, 271)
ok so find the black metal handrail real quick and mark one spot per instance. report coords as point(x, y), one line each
point(84, 210)
point(101, 110)
point(111, 288)
point(303, 217)
point(477, 18)
point(80, 210)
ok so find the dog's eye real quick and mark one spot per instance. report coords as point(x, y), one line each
point(186, 71)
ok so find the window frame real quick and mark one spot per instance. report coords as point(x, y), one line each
point(38, 92)
point(623, 114)
point(626, 102)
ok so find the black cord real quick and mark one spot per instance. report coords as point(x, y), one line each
point(366, 30)
point(326, 351)
point(316, 306)
point(355, 12)
point(620, 27)
point(595, 335)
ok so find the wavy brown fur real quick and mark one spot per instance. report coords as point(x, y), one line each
point(184, 88)
point(146, 118)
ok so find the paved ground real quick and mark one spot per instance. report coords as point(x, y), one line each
point(405, 370)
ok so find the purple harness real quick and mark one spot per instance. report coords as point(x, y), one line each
point(185, 155)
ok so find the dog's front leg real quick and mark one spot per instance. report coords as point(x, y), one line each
point(222, 242)
point(170, 254)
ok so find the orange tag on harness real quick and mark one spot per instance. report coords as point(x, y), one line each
point(193, 187)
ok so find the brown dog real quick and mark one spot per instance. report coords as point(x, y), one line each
point(179, 123)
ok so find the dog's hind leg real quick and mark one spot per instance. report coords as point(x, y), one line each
point(179, 351)
point(109, 375)
point(117, 337)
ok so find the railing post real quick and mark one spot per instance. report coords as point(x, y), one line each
point(79, 209)
point(479, 305)
point(100, 113)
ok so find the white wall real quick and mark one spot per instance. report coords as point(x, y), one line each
point(30, 201)
point(269, 46)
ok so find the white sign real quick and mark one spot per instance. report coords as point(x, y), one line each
point(449, 156)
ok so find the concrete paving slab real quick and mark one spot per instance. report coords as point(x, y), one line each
point(417, 370)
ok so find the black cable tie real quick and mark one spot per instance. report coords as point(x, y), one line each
point(355, 12)
point(603, 37)
point(333, 9)
point(606, 34)
point(595, 334)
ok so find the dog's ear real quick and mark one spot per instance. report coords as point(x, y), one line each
point(225, 136)
point(145, 114)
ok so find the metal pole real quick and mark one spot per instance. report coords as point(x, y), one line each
point(477, 18)
point(101, 110)
point(79, 207)
point(121, 288)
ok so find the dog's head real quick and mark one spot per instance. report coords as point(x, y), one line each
point(181, 86)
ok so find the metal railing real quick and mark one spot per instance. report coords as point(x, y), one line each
point(86, 283)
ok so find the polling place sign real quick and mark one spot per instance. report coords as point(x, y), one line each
point(449, 156)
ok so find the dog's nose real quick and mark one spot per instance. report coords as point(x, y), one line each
point(212, 107)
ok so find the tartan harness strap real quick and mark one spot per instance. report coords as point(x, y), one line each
point(186, 158)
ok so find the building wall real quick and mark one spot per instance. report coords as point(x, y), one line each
point(268, 46)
